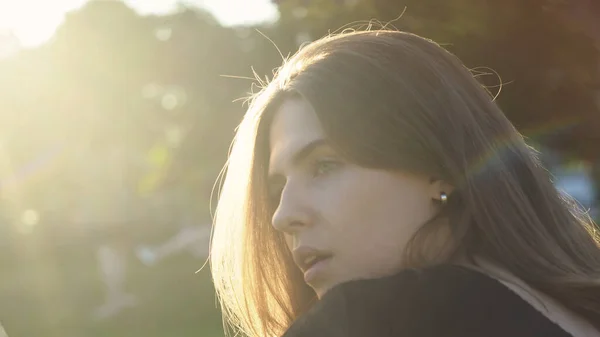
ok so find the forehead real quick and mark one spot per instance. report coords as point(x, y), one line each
point(294, 125)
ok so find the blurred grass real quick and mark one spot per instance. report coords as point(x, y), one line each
point(41, 297)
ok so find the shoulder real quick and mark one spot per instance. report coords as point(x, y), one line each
point(439, 301)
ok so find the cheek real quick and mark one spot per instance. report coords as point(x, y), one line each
point(373, 217)
point(289, 242)
point(377, 203)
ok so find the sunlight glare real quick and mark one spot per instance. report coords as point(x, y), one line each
point(33, 21)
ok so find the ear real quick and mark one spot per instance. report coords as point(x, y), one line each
point(438, 187)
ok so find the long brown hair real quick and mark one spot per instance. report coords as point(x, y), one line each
point(397, 101)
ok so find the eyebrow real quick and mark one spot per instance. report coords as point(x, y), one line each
point(303, 153)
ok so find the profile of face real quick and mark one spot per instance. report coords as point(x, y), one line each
point(341, 221)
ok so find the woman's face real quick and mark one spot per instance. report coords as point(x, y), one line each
point(341, 221)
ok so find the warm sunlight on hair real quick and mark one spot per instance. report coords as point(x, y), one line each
point(234, 210)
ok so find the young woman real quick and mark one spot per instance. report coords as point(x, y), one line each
point(375, 189)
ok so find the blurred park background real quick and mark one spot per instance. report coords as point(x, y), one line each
point(116, 118)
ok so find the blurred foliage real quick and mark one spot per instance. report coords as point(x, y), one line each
point(116, 129)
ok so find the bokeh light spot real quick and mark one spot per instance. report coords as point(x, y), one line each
point(29, 220)
point(163, 33)
point(169, 101)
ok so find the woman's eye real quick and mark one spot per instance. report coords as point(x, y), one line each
point(325, 166)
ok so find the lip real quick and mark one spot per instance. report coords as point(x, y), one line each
point(312, 273)
point(304, 252)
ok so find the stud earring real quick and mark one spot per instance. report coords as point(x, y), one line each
point(444, 198)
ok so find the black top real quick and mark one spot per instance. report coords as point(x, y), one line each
point(444, 301)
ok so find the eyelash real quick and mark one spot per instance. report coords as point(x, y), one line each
point(316, 165)
point(319, 163)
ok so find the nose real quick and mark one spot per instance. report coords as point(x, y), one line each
point(292, 213)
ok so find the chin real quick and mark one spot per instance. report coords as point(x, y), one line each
point(322, 288)
point(321, 292)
